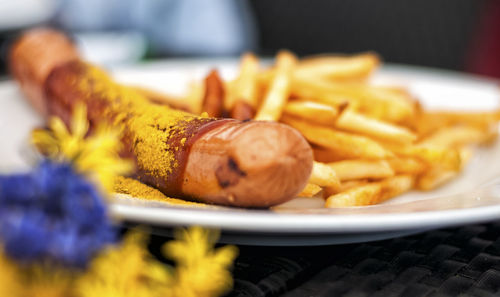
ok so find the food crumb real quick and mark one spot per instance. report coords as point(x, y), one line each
point(136, 189)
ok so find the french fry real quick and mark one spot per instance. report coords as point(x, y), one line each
point(279, 89)
point(434, 178)
point(437, 119)
point(357, 196)
point(438, 176)
point(213, 100)
point(465, 156)
point(335, 67)
point(244, 89)
point(371, 193)
point(349, 184)
point(406, 165)
point(394, 105)
point(457, 136)
point(246, 83)
point(313, 111)
point(323, 175)
point(354, 67)
point(301, 89)
point(322, 91)
point(396, 185)
point(445, 158)
point(430, 121)
point(378, 102)
point(344, 186)
point(194, 97)
point(344, 145)
point(352, 121)
point(325, 155)
point(492, 135)
point(310, 190)
point(361, 169)
point(229, 95)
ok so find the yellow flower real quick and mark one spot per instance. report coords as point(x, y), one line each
point(95, 156)
point(9, 277)
point(130, 271)
point(201, 269)
point(45, 280)
point(125, 271)
point(33, 281)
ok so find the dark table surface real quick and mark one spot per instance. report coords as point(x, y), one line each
point(462, 261)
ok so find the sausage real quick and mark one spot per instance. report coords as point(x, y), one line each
point(36, 65)
point(242, 111)
point(220, 161)
point(213, 100)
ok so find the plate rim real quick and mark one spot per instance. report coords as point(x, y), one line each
point(263, 221)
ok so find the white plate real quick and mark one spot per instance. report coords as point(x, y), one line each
point(472, 198)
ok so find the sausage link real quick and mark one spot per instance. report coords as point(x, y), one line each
point(221, 161)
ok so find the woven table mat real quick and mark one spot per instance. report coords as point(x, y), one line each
point(451, 262)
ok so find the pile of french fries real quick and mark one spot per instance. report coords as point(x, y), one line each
point(371, 143)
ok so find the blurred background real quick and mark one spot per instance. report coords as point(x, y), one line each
point(459, 35)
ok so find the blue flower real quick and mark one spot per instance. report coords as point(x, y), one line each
point(24, 238)
point(13, 190)
point(53, 213)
